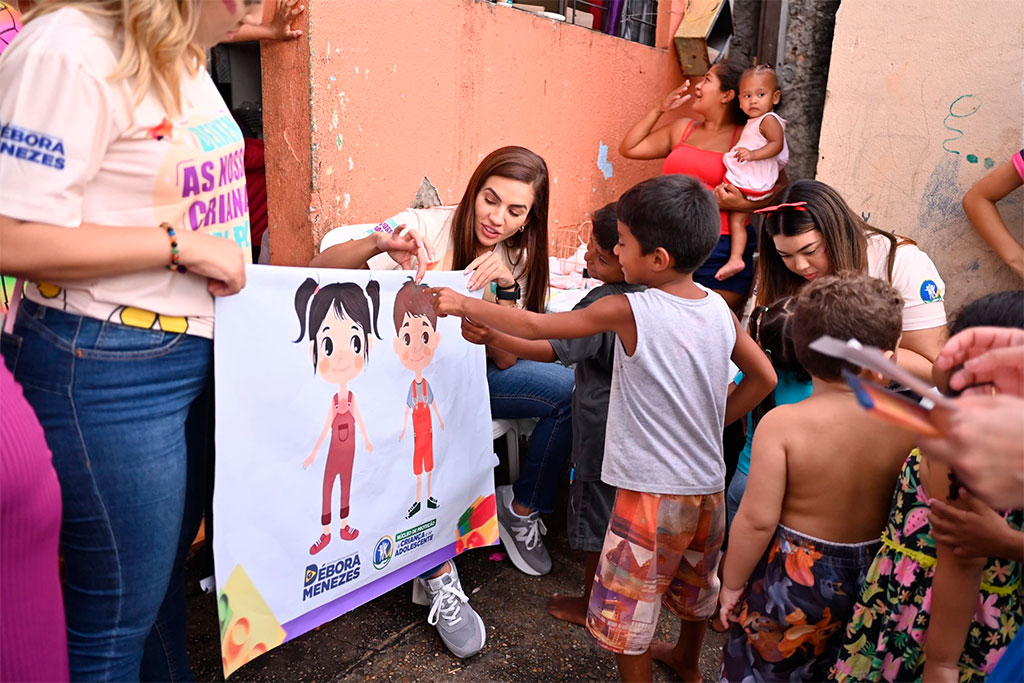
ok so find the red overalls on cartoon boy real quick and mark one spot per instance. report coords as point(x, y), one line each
point(416, 340)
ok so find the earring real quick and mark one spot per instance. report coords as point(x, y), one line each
point(522, 227)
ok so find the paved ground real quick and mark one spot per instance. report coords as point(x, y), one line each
point(389, 639)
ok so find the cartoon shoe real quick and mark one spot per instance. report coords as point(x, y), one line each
point(432, 503)
point(414, 509)
point(320, 544)
point(348, 533)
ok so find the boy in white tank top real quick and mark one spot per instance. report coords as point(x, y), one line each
point(668, 405)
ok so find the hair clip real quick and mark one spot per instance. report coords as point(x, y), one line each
point(795, 206)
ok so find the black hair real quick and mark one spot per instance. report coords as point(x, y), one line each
point(676, 213)
point(730, 73)
point(1000, 309)
point(346, 298)
point(606, 226)
point(772, 329)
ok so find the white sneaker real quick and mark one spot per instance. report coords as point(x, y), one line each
point(461, 628)
point(521, 536)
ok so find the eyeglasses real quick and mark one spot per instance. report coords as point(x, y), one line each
point(792, 206)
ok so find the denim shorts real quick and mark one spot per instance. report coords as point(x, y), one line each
point(741, 281)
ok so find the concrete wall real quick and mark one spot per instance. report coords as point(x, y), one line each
point(922, 99)
point(380, 93)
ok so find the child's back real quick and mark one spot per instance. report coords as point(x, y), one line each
point(822, 474)
point(842, 464)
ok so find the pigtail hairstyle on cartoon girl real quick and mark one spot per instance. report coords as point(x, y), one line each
point(348, 300)
point(807, 205)
point(159, 37)
point(515, 163)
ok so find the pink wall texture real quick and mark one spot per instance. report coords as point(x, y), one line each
point(378, 94)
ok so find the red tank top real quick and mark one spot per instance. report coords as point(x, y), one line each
point(703, 164)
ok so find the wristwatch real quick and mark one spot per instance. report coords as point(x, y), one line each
point(507, 293)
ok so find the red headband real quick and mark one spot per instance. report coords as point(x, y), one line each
point(795, 206)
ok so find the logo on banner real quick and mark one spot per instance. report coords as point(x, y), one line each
point(382, 552)
point(328, 576)
point(413, 538)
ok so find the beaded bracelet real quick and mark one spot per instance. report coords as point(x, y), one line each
point(175, 255)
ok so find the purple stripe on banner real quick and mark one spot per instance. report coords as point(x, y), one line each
point(348, 602)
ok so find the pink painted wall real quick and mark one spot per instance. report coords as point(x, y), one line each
point(380, 93)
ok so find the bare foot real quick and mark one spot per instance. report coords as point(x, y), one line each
point(731, 267)
point(568, 608)
point(665, 653)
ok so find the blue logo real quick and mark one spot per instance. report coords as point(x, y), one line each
point(382, 552)
point(930, 291)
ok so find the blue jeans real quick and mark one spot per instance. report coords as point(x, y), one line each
point(113, 401)
point(734, 495)
point(541, 390)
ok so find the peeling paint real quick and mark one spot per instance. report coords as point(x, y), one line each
point(334, 119)
point(357, 69)
point(351, 165)
point(348, 200)
point(339, 141)
point(329, 171)
point(333, 79)
point(602, 161)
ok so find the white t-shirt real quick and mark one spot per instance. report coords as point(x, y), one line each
point(74, 148)
point(914, 276)
point(435, 224)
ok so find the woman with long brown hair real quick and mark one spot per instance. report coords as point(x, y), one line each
point(497, 233)
point(813, 232)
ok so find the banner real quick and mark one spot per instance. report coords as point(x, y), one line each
point(354, 447)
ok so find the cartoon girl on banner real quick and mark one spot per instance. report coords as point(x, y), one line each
point(339, 323)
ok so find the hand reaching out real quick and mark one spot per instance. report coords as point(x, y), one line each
point(447, 302)
point(284, 14)
point(989, 355)
point(743, 154)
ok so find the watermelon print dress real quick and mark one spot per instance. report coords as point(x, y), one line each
point(885, 636)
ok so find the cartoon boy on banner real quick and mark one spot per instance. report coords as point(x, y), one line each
point(339, 324)
point(416, 340)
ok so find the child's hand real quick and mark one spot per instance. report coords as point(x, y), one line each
point(973, 529)
point(742, 154)
point(676, 98)
point(308, 461)
point(476, 333)
point(284, 14)
point(729, 601)
point(731, 267)
point(402, 435)
point(447, 302)
point(369, 447)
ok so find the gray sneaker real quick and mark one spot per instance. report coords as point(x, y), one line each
point(460, 627)
point(521, 536)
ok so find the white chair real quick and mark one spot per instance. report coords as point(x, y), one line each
point(513, 430)
point(346, 233)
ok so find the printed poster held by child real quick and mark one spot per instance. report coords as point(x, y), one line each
point(313, 414)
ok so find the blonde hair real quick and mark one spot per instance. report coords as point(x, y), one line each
point(159, 42)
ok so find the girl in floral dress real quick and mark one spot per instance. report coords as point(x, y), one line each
point(913, 620)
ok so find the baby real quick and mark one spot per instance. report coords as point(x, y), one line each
point(753, 165)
